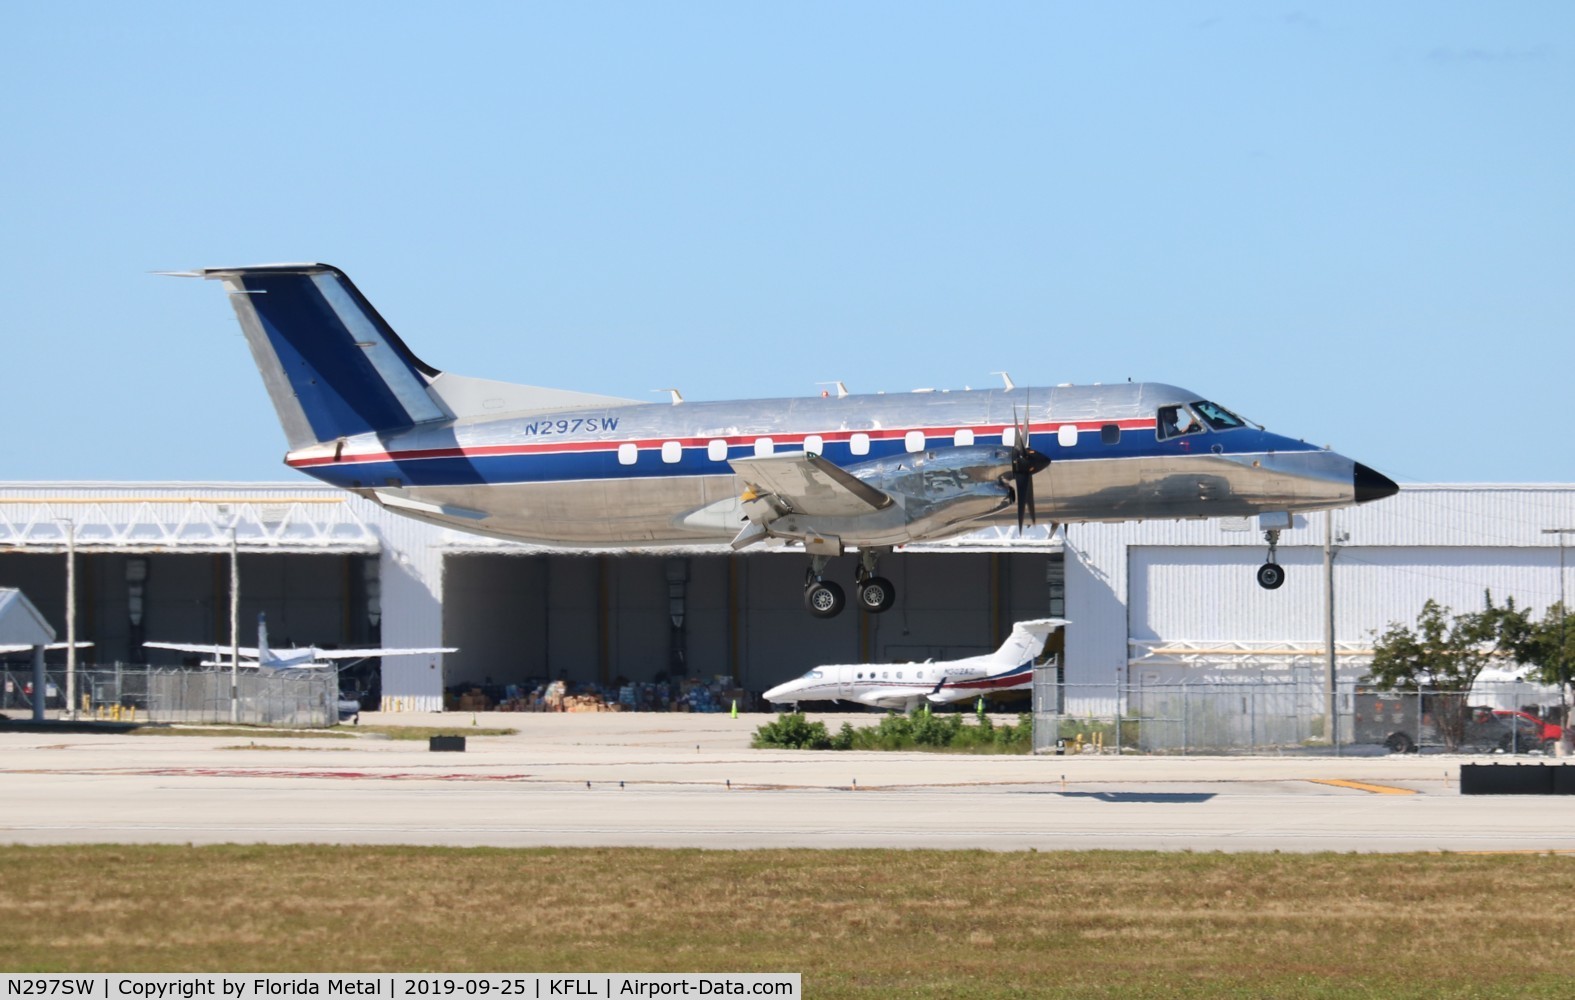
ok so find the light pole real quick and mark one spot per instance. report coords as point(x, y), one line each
point(1567, 744)
point(71, 616)
point(1331, 672)
point(235, 627)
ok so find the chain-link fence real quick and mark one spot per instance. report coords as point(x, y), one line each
point(299, 697)
point(1257, 717)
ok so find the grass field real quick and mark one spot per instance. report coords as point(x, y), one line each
point(854, 923)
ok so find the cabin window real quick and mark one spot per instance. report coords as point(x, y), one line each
point(716, 450)
point(1109, 433)
point(1009, 436)
point(628, 454)
point(764, 447)
point(963, 438)
point(899, 675)
point(813, 444)
point(1217, 416)
point(1066, 435)
point(672, 451)
point(859, 444)
point(913, 441)
point(1176, 421)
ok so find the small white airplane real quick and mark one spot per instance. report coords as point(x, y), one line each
point(264, 658)
point(905, 686)
point(20, 647)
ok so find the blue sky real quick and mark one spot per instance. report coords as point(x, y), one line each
point(1354, 223)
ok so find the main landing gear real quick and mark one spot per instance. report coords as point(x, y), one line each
point(1271, 574)
point(825, 599)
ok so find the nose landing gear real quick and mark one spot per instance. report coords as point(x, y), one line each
point(1271, 574)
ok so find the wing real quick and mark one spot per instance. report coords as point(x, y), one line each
point(18, 647)
point(190, 647)
point(361, 654)
point(808, 484)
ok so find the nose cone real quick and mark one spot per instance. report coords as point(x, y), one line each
point(1372, 485)
point(779, 694)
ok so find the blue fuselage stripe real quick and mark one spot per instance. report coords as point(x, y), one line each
point(600, 461)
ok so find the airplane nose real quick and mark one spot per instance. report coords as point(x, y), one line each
point(1371, 485)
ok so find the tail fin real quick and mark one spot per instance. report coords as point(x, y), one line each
point(333, 367)
point(262, 637)
point(1027, 640)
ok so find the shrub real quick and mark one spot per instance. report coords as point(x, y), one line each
point(791, 731)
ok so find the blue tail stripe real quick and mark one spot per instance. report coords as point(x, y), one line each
point(339, 389)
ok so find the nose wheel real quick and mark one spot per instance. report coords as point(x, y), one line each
point(1271, 574)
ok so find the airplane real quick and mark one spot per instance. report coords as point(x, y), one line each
point(262, 657)
point(22, 647)
point(905, 686)
point(851, 472)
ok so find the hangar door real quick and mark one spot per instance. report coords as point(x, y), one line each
point(524, 618)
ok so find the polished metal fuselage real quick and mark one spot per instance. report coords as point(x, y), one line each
point(658, 474)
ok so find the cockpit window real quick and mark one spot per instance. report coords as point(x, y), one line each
point(1217, 416)
point(1177, 421)
point(813, 675)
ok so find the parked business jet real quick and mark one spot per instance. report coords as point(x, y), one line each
point(263, 657)
point(905, 686)
point(831, 473)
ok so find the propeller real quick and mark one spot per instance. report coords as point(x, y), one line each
point(1025, 462)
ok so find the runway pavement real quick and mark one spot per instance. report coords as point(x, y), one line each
point(610, 779)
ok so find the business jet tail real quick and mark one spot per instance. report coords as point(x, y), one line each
point(1027, 641)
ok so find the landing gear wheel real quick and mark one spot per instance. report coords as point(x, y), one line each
point(1270, 576)
point(824, 599)
point(876, 594)
point(1399, 743)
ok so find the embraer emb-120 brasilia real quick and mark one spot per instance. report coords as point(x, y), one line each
point(829, 473)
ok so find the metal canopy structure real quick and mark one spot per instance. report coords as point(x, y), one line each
point(137, 519)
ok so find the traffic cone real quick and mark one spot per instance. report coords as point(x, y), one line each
point(735, 708)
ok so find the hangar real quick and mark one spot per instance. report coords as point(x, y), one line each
point(331, 568)
point(1149, 602)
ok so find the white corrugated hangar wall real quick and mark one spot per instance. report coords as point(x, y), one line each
point(1133, 589)
point(517, 613)
point(525, 616)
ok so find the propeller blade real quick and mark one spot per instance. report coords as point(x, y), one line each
point(1025, 463)
point(1024, 486)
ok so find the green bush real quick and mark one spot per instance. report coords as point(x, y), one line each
point(923, 730)
point(791, 731)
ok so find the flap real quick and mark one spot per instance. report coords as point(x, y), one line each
point(810, 484)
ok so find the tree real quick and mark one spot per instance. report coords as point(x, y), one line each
point(1444, 655)
point(1548, 647)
